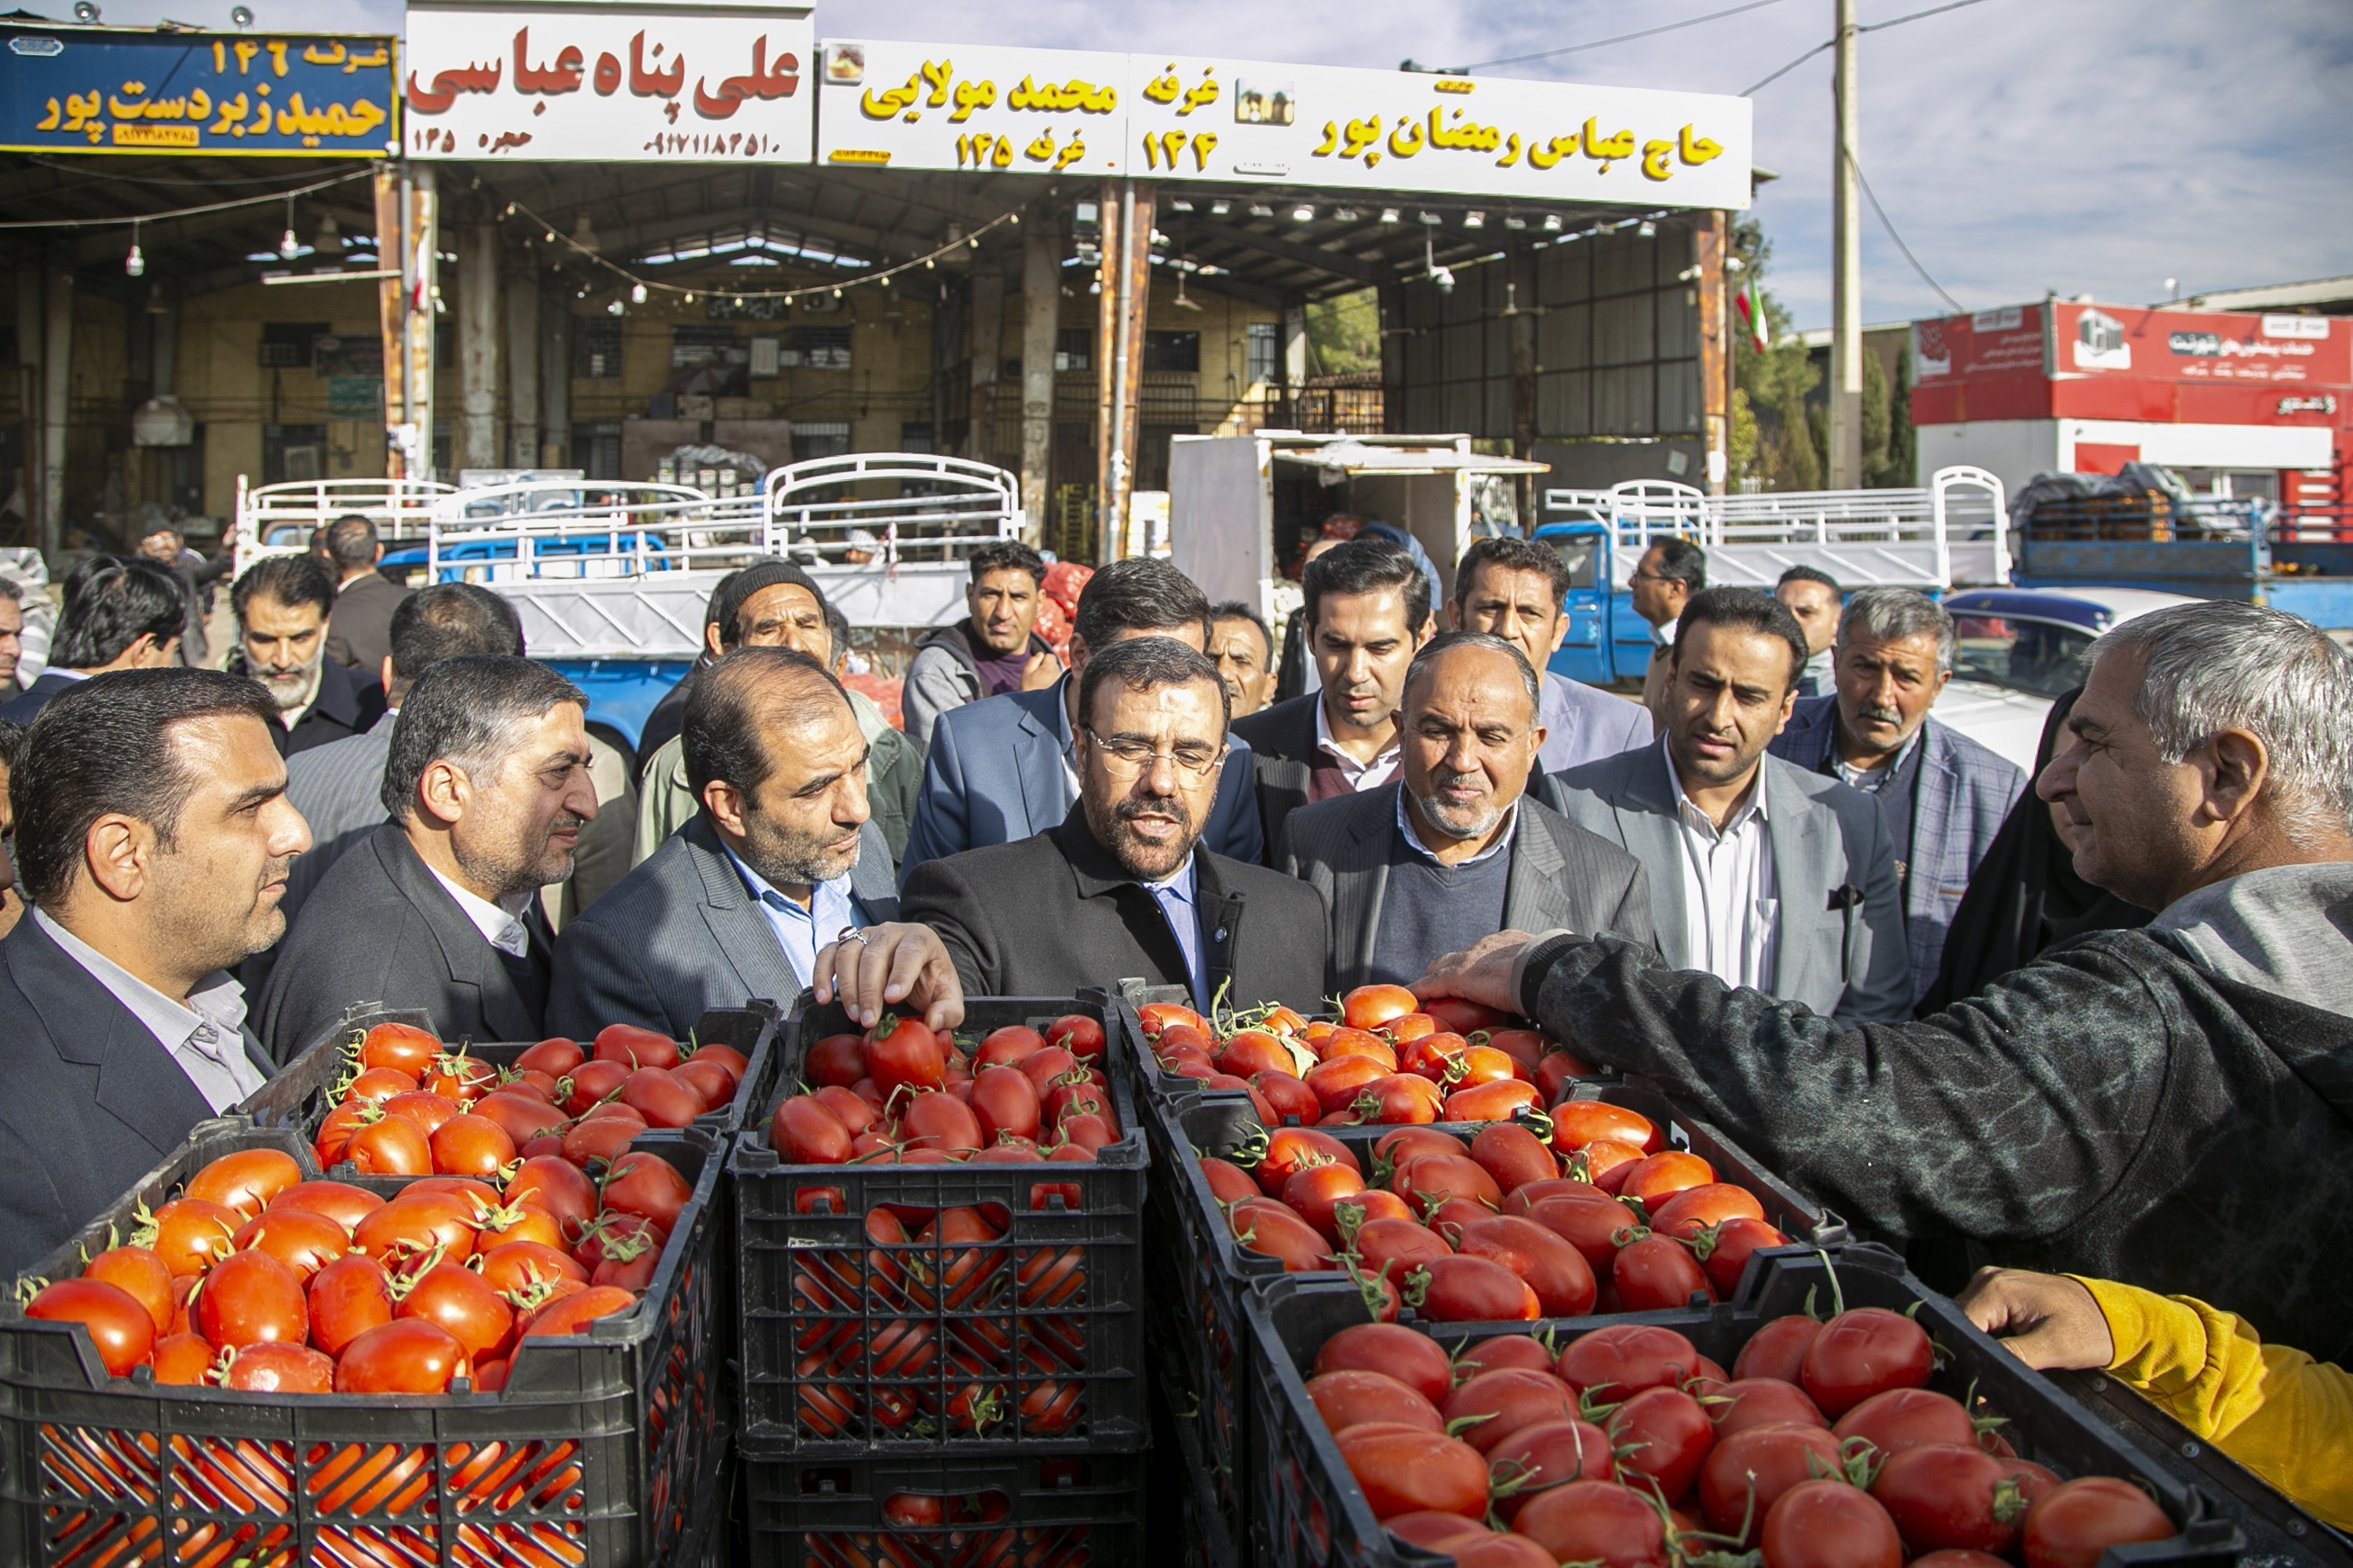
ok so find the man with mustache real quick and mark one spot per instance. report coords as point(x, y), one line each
point(1944, 795)
point(152, 836)
point(1453, 851)
point(1762, 874)
point(1122, 888)
point(780, 856)
point(281, 606)
point(487, 783)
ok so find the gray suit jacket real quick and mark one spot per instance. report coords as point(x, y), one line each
point(1840, 948)
point(1963, 796)
point(380, 927)
point(1584, 725)
point(1562, 877)
point(682, 935)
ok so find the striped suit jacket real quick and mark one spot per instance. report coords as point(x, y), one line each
point(1562, 877)
point(1964, 794)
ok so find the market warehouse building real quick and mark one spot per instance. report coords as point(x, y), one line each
point(587, 238)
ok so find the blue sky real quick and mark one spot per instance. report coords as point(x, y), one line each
point(2093, 146)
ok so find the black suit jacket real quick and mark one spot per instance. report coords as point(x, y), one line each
point(1043, 916)
point(20, 709)
point(359, 629)
point(349, 703)
point(379, 927)
point(94, 1101)
point(1283, 755)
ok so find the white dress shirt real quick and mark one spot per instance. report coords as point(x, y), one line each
point(501, 927)
point(1731, 917)
point(205, 1036)
point(1359, 776)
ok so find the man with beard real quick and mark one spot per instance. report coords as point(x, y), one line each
point(152, 836)
point(488, 787)
point(781, 856)
point(1761, 873)
point(1453, 852)
point(1122, 888)
point(1944, 795)
point(282, 605)
point(992, 650)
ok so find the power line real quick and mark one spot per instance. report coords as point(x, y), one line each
point(1856, 165)
point(1785, 70)
point(187, 212)
point(1623, 37)
point(1899, 21)
point(1832, 43)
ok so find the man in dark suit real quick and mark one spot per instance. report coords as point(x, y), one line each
point(488, 787)
point(780, 857)
point(282, 605)
point(1945, 796)
point(1518, 589)
point(1368, 610)
point(117, 614)
point(359, 632)
point(152, 836)
point(1125, 889)
point(1761, 873)
point(1453, 851)
point(1004, 767)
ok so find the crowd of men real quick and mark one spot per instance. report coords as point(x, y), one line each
point(1746, 885)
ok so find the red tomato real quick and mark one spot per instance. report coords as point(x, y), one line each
point(303, 1241)
point(593, 1083)
point(1350, 1399)
point(1392, 1247)
point(1777, 1349)
point(661, 1097)
point(1664, 1434)
point(1723, 1250)
point(1687, 1212)
point(119, 1324)
point(1406, 1354)
point(1597, 1523)
point(903, 1052)
point(1491, 1405)
point(1433, 1529)
point(1404, 1470)
point(392, 1146)
point(1553, 1269)
point(1606, 1162)
point(552, 1056)
point(191, 1232)
point(555, 1185)
point(643, 1183)
point(941, 1121)
point(633, 1047)
point(1956, 1497)
point(1265, 1226)
point(1463, 1016)
point(1288, 1098)
point(1288, 1147)
point(250, 1297)
point(1249, 1052)
point(838, 1059)
point(1428, 1180)
point(1593, 1226)
point(183, 1360)
point(1576, 1123)
point(1829, 1524)
point(1157, 1016)
point(273, 1368)
point(380, 1083)
point(1500, 1352)
point(1468, 1290)
point(517, 1265)
point(414, 1224)
point(1863, 1352)
point(805, 1133)
point(463, 1303)
point(565, 1316)
point(1395, 1098)
point(346, 1299)
point(1370, 1006)
point(519, 1116)
point(1394, 1149)
point(1664, 1174)
point(1547, 1454)
point(2076, 1522)
point(427, 1110)
point(1077, 1034)
point(709, 1080)
point(471, 1146)
point(1760, 1402)
point(1337, 1081)
point(338, 1201)
point(245, 1181)
point(1748, 1470)
point(142, 1273)
point(410, 1356)
point(400, 1046)
point(1908, 1418)
point(603, 1136)
point(1495, 1102)
point(1616, 1363)
point(1314, 1192)
point(460, 1076)
point(1656, 1273)
point(1520, 1199)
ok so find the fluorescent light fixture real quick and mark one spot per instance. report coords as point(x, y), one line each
point(1474, 220)
point(1390, 215)
point(1552, 223)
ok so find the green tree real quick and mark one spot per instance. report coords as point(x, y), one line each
point(1781, 446)
point(1343, 334)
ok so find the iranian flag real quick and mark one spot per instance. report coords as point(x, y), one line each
point(1745, 303)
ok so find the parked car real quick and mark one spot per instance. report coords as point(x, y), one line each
point(2015, 650)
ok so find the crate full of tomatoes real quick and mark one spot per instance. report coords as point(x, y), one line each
point(1838, 1415)
point(248, 1363)
point(937, 1238)
point(711, 1079)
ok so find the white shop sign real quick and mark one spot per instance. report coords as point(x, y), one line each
point(709, 83)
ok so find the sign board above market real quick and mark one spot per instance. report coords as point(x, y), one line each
point(990, 109)
point(118, 89)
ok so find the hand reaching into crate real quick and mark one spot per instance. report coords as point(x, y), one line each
point(888, 965)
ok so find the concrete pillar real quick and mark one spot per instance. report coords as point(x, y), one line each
point(555, 374)
point(1715, 350)
point(28, 386)
point(57, 387)
point(1523, 341)
point(1041, 319)
point(1391, 299)
point(520, 294)
point(1295, 348)
point(164, 323)
point(987, 340)
point(477, 433)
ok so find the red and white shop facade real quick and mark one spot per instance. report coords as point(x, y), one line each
point(2236, 404)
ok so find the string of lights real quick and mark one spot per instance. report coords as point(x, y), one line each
point(641, 287)
point(129, 219)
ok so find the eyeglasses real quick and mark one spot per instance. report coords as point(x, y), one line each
point(1639, 576)
point(1128, 758)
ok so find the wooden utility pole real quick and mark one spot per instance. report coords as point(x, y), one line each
point(1846, 273)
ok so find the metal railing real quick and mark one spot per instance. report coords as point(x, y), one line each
point(279, 519)
point(945, 509)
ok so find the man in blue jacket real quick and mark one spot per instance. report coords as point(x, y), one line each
point(1001, 769)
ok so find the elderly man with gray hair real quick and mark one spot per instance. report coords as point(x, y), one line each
point(488, 787)
point(1944, 795)
point(2171, 1106)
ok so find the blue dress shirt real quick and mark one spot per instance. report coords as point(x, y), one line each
point(800, 932)
point(1174, 897)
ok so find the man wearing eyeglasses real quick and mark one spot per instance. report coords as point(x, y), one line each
point(1122, 888)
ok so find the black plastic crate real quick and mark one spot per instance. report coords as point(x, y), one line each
point(300, 1094)
point(1208, 1528)
point(967, 1511)
point(1307, 1509)
point(846, 1349)
point(598, 1452)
